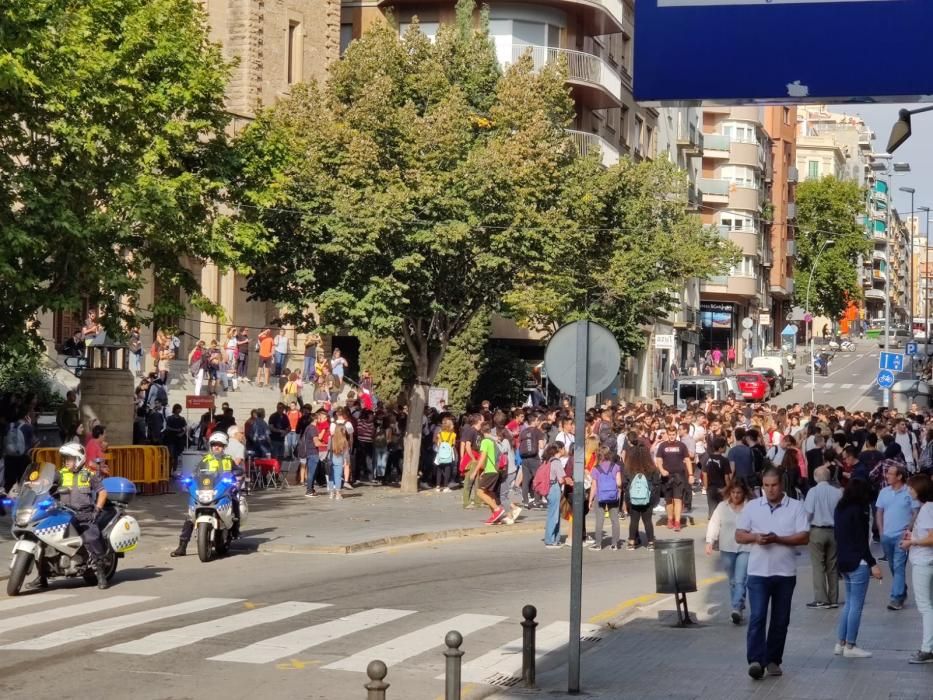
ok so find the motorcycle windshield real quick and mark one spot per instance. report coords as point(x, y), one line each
point(203, 480)
point(36, 486)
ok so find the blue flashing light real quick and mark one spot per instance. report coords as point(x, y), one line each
point(45, 503)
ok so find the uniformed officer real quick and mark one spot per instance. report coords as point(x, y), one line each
point(81, 490)
point(213, 461)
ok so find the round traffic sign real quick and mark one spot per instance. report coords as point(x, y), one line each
point(747, 334)
point(885, 379)
point(602, 361)
point(747, 323)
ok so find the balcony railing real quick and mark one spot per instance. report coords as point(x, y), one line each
point(587, 143)
point(713, 187)
point(581, 66)
point(715, 142)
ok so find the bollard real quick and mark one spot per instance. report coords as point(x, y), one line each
point(529, 612)
point(377, 686)
point(454, 655)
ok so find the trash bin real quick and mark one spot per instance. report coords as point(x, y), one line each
point(675, 566)
point(906, 391)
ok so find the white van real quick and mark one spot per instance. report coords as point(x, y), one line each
point(699, 389)
point(778, 363)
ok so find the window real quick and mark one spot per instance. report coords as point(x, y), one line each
point(787, 116)
point(293, 69)
point(429, 29)
point(740, 132)
point(637, 125)
point(813, 170)
point(649, 142)
point(747, 267)
point(623, 124)
point(738, 222)
point(741, 175)
point(346, 36)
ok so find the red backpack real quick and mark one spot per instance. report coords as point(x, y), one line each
point(541, 483)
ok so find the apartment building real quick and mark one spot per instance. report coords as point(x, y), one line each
point(736, 171)
point(832, 144)
point(875, 268)
point(899, 240)
point(274, 44)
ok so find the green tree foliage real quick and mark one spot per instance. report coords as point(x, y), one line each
point(111, 153)
point(630, 246)
point(464, 361)
point(389, 364)
point(829, 209)
point(408, 193)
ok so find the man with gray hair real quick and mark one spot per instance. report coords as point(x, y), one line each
point(820, 505)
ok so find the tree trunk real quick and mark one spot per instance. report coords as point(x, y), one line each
point(417, 400)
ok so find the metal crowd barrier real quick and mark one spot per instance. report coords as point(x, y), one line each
point(147, 466)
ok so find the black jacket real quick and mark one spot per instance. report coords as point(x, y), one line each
point(851, 525)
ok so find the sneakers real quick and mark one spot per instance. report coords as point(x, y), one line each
point(555, 545)
point(856, 653)
point(446, 489)
point(895, 605)
point(756, 671)
point(589, 540)
point(832, 606)
point(310, 494)
point(339, 496)
point(509, 520)
point(774, 669)
point(651, 546)
point(614, 547)
point(736, 617)
point(817, 605)
point(514, 512)
point(498, 514)
point(332, 494)
point(838, 649)
point(596, 547)
point(348, 485)
point(630, 547)
point(921, 657)
point(676, 527)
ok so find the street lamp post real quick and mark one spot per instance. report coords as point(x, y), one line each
point(812, 350)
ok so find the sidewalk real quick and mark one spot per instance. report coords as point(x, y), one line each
point(647, 659)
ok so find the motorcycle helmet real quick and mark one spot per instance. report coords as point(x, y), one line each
point(73, 449)
point(218, 439)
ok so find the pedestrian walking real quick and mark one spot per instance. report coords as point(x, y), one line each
point(642, 485)
point(852, 530)
point(820, 505)
point(919, 544)
point(895, 511)
point(486, 474)
point(531, 442)
point(606, 493)
point(774, 525)
point(553, 480)
point(734, 556)
point(717, 474)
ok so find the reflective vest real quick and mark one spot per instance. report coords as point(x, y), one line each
point(212, 463)
point(69, 479)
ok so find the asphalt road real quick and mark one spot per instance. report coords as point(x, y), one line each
point(306, 625)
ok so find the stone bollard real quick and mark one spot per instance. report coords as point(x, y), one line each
point(529, 612)
point(376, 687)
point(454, 655)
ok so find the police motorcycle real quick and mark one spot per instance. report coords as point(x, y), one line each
point(210, 508)
point(46, 536)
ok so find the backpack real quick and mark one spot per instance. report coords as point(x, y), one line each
point(541, 483)
point(154, 351)
point(639, 492)
point(14, 444)
point(445, 453)
point(607, 490)
point(527, 447)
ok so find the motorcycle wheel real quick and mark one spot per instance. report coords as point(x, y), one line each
point(205, 540)
point(110, 566)
point(22, 563)
point(222, 541)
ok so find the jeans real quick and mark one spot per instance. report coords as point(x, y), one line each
point(335, 482)
point(923, 593)
point(278, 359)
point(764, 641)
point(736, 565)
point(312, 470)
point(308, 369)
point(897, 560)
point(856, 589)
point(552, 524)
point(136, 362)
point(382, 457)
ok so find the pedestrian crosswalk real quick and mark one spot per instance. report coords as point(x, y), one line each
point(267, 633)
point(837, 385)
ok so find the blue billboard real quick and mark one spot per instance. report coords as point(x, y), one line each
point(783, 51)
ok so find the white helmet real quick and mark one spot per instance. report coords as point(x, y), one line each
point(218, 439)
point(73, 449)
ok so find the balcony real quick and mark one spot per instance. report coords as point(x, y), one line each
point(744, 154)
point(690, 140)
point(878, 255)
point(790, 249)
point(716, 146)
point(747, 198)
point(593, 81)
point(874, 294)
point(587, 143)
point(746, 240)
point(714, 191)
point(725, 286)
point(791, 210)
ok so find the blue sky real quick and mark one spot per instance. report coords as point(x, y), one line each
point(917, 150)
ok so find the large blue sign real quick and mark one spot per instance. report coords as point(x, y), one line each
point(792, 51)
point(891, 361)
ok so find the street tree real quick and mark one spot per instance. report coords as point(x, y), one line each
point(112, 154)
point(631, 247)
point(829, 209)
point(406, 194)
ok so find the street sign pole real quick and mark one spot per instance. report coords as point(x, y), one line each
point(576, 545)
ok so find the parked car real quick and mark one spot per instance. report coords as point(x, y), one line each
point(772, 377)
point(780, 365)
point(754, 387)
point(896, 338)
point(700, 388)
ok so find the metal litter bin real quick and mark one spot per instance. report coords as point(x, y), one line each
point(675, 572)
point(907, 391)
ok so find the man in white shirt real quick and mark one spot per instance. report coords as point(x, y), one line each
point(908, 443)
point(774, 525)
point(820, 505)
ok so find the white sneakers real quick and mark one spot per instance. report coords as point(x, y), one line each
point(852, 652)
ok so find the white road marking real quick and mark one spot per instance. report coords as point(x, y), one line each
point(846, 386)
point(295, 642)
point(89, 607)
point(417, 642)
point(101, 628)
point(507, 659)
point(828, 385)
point(184, 636)
point(14, 603)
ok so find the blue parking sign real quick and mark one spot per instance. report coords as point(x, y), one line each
point(912, 349)
point(891, 361)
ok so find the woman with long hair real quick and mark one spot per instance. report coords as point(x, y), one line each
point(734, 556)
point(641, 486)
point(856, 563)
point(919, 546)
point(552, 457)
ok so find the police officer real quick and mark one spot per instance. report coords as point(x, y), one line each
point(213, 461)
point(81, 490)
